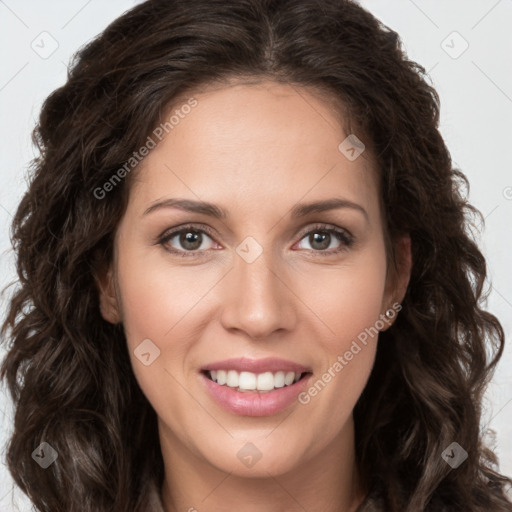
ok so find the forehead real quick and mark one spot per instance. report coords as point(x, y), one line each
point(255, 144)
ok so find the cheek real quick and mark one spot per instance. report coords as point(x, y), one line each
point(153, 300)
point(159, 298)
point(163, 303)
point(347, 299)
point(349, 303)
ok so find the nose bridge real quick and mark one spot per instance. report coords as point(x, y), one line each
point(258, 301)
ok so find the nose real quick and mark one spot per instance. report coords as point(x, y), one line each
point(258, 299)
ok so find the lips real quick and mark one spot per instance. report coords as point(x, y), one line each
point(255, 387)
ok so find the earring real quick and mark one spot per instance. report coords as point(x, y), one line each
point(392, 312)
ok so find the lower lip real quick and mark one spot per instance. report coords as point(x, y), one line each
point(246, 403)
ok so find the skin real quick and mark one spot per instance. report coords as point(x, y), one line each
point(255, 150)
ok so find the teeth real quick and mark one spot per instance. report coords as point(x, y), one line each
point(232, 379)
point(247, 381)
point(279, 379)
point(265, 381)
point(221, 377)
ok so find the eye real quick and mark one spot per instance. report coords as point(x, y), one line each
point(321, 237)
point(191, 241)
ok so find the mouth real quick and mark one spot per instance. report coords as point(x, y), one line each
point(249, 382)
point(255, 387)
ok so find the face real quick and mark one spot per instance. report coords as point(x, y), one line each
point(267, 293)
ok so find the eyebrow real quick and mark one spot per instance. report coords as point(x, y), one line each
point(298, 211)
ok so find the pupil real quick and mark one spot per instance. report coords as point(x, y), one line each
point(324, 240)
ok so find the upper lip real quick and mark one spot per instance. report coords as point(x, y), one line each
point(269, 364)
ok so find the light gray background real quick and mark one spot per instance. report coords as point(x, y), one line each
point(476, 120)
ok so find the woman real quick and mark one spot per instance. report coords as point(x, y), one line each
point(246, 281)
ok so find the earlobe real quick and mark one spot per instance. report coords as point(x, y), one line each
point(109, 305)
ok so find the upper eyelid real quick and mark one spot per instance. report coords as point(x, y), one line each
point(172, 232)
point(324, 225)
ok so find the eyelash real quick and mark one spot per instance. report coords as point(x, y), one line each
point(341, 234)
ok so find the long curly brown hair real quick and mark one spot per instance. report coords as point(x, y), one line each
point(68, 370)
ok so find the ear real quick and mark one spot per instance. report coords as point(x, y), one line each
point(109, 304)
point(399, 273)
